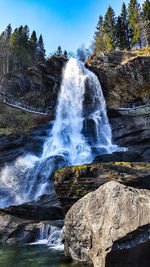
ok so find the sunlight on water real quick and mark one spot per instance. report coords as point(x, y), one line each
point(79, 133)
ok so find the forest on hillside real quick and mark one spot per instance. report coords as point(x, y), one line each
point(19, 50)
point(131, 29)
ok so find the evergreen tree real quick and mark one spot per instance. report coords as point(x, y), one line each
point(146, 15)
point(123, 32)
point(8, 32)
point(110, 29)
point(59, 51)
point(14, 48)
point(40, 50)
point(134, 18)
point(99, 28)
point(5, 49)
point(65, 54)
point(33, 47)
point(99, 43)
point(18, 50)
point(22, 48)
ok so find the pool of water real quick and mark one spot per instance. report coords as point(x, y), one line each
point(33, 256)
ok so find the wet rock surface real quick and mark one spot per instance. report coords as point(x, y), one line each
point(99, 220)
point(46, 207)
point(23, 223)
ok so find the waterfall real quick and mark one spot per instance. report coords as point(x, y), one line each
point(49, 235)
point(80, 131)
point(67, 137)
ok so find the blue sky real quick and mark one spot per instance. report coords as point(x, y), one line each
point(68, 23)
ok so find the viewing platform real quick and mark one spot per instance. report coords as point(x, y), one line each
point(137, 108)
point(24, 107)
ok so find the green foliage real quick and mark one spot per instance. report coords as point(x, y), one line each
point(65, 54)
point(110, 28)
point(130, 29)
point(146, 9)
point(59, 51)
point(146, 14)
point(18, 50)
point(100, 42)
point(134, 23)
point(40, 50)
point(122, 28)
point(33, 46)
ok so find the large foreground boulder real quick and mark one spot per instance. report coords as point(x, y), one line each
point(111, 218)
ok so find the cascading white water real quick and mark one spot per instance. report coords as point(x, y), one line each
point(80, 132)
point(50, 235)
point(67, 136)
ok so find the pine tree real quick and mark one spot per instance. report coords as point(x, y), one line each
point(8, 32)
point(18, 50)
point(40, 50)
point(33, 47)
point(14, 48)
point(23, 56)
point(65, 54)
point(59, 51)
point(122, 27)
point(110, 29)
point(19, 44)
point(146, 16)
point(99, 43)
point(99, 28)
point(134, 23)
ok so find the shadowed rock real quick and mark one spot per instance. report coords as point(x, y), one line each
point(72, 183)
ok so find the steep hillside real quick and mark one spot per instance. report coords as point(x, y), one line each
point(124, 76)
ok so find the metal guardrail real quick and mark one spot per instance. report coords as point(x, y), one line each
point(25, 107)
point(134, 105)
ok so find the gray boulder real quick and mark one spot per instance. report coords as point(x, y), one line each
point(111, 218)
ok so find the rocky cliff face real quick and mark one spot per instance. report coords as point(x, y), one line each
point(37, 86)
point(131, 130)
point(124, 76)
point(112, 218)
